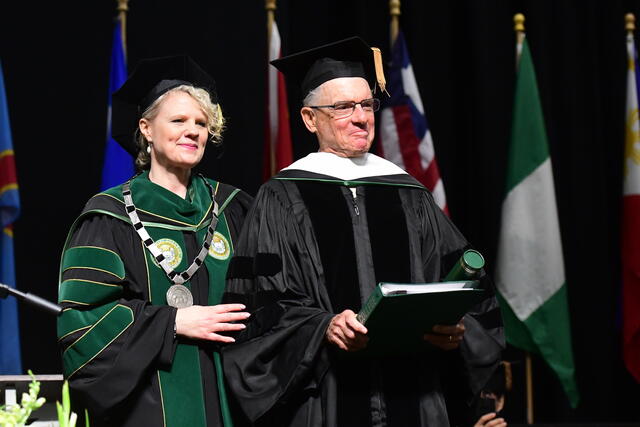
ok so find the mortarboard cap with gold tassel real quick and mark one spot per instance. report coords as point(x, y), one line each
point(351, 57)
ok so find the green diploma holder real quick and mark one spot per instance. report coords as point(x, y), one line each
point(467, 268)
point(397, 315)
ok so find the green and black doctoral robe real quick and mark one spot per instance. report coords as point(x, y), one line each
point(116, 332)
point(309, 250)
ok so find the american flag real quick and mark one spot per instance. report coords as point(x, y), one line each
point(405, 137)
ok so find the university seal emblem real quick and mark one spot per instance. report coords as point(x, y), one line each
point(219, 248)
point(171, 251)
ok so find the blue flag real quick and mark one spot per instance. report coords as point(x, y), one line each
point(118, 164)
point(9, 210)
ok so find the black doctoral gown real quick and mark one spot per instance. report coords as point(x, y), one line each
point(309, 250)
point(116, 332)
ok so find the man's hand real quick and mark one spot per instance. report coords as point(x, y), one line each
point(204, 322)
point(346, 332)
point(490, 420)
point(446, 337)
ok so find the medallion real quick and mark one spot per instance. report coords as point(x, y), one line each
point(179, 296)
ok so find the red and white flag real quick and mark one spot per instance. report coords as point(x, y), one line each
point(631, 221)
point(405, 136)
point(277, 146)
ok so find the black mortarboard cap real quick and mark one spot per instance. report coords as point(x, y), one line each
point(350, 57)
point(151, 78)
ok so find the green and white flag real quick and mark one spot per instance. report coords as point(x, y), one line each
point(530, 268)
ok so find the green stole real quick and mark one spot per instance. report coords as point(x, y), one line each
point(181, 386)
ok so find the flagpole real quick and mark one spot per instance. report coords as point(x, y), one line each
point(630, 22)
point(630, 27)
point(123, 7)
point(270, 6)
point(529, 385)
point(394, 11)
point(518, 27)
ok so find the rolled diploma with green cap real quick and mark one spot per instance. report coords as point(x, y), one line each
point(468, 266)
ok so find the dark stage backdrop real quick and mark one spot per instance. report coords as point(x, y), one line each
point(56, 62)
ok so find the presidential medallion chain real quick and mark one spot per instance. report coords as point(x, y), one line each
point(178, 295)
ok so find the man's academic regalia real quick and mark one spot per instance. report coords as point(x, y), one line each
point(321, 234)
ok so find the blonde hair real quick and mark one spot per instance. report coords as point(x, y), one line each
point(213, 113)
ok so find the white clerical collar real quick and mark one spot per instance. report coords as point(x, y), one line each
point(346, 168)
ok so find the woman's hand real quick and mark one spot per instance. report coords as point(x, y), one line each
point(490, 420)
point(446, 337)
point(204, 322)
point(346, 332)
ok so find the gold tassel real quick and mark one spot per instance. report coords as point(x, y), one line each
point(377, 60)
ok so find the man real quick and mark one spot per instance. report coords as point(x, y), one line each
point(320, 236)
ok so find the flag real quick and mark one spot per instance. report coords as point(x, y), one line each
point(277, 141)
point(631, 221)
point(530, 268)
point(405, 136)
point(118, 164)
point(10, 362)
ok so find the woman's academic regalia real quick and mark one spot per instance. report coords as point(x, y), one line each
point(116, 333)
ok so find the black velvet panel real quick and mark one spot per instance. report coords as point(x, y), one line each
point(390, 249)
point(353, 384)
point(266, 264)
point(388, 234)
point(240, 267)
point(333, 230)
point(263, 264)
point(402, 390)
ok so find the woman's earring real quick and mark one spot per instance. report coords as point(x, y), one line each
point(149, 149)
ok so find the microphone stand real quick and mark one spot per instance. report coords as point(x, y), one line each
point(41, 303)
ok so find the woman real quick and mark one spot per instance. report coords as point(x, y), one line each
point(143, 267)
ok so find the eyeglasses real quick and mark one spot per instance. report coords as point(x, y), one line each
point(344, 109)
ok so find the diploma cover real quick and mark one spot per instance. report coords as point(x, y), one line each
point(397, 315)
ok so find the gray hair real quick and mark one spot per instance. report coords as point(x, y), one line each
point(213, 113)
point(312, 96)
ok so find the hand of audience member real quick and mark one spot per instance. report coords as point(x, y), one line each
point(204, 322)
point(346, 332)
point(490, 420)
point(446, 337)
